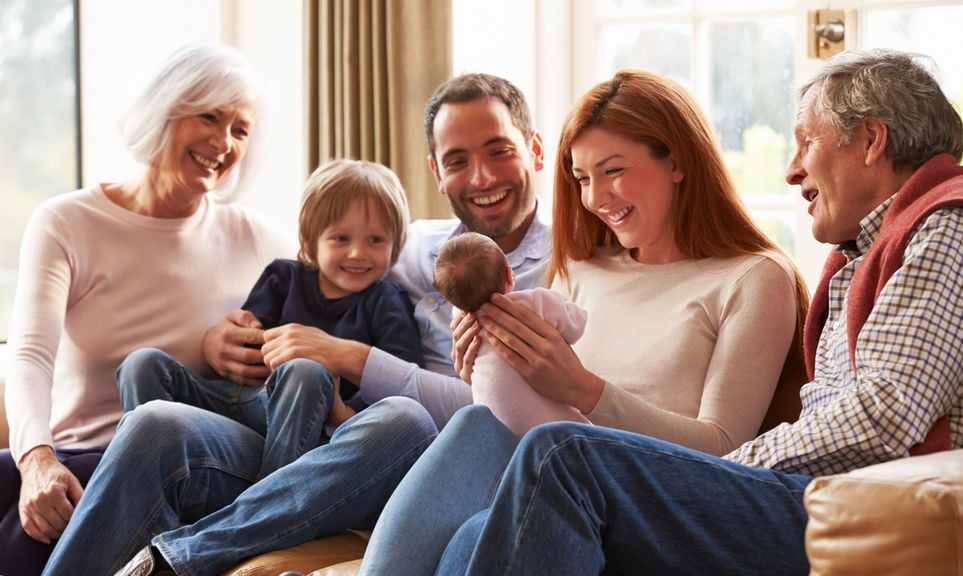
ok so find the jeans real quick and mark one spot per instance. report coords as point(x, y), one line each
point(21, 555)
point(455, 478)
point(289, 410)
point(172, 464)
point(577, 499)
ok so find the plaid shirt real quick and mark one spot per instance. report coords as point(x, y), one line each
point(909, 358)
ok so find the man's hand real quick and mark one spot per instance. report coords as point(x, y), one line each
point(48, 494)
point(227, 348)
point(341, 357)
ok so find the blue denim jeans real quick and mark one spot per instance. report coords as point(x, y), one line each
point(172, 464)
point(577, 499)
point(289, 410)
point(455, 478)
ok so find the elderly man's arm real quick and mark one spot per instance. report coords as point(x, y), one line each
point(910, 368)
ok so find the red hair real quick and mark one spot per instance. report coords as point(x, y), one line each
point(710, 218)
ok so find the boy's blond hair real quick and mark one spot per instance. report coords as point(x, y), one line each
point(335, 186)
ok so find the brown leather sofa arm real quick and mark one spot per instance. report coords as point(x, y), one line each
point(901, 517)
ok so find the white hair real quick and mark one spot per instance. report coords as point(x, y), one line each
point(196, 78)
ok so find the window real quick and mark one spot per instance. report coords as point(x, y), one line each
point(41, 95)
point(740, 58)
point(39, 124)
point(737, 58)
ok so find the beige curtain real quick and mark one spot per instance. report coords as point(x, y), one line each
point(372, 64)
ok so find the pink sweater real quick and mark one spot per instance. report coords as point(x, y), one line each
point(497, 385)
point(96, 282)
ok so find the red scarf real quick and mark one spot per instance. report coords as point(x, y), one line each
point(937, 184)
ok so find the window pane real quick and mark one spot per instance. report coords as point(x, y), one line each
point(933, 31)
point(750, 72)
point(660, 48)
point(38, 120)
point(744, 5)
point(779, 225)
point(623, 8)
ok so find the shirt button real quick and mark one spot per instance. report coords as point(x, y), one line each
point(836, 325)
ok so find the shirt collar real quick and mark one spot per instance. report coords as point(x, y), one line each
point(869, 226)
point(535, 245)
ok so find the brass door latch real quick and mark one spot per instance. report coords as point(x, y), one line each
point(827, 33)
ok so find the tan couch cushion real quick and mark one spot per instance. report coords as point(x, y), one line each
point(305, 557)
point(343, 569)
point(901, 517)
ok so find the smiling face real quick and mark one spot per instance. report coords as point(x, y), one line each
point(630, 191)
point(486, 169)
point(205, 147)
point(354, 252)
point(834, 178)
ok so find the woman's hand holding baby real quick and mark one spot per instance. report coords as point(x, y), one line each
point(466, 339)
point(539, 353)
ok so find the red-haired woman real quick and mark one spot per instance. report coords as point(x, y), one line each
point(693, 312)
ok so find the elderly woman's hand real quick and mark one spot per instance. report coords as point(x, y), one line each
point(539, 353)
point(465, 343)
point(48, 494)
point(232, 348)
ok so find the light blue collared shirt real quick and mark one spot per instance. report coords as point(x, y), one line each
point(437, 386)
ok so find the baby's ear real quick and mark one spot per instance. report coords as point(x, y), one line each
point(509, 278)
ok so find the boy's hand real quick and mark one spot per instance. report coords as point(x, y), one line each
point(340, 411)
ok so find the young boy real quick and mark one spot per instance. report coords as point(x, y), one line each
point(469, 269)
point(352, 225)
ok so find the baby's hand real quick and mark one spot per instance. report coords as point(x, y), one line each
point(340, 412)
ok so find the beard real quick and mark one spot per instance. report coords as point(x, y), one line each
point(520, 201)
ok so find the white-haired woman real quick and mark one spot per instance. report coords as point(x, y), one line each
point(154, 261)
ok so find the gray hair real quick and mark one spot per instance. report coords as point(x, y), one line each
point(899, 89)
point(196, 78)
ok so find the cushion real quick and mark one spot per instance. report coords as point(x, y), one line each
point(305, 557)
point(900, 517)
point(344, 569)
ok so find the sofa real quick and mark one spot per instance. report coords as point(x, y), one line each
point(900, 518)
point(903, 517)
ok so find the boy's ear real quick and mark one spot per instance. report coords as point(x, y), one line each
point(509, 278)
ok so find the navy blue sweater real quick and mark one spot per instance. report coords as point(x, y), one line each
point(380, 315)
